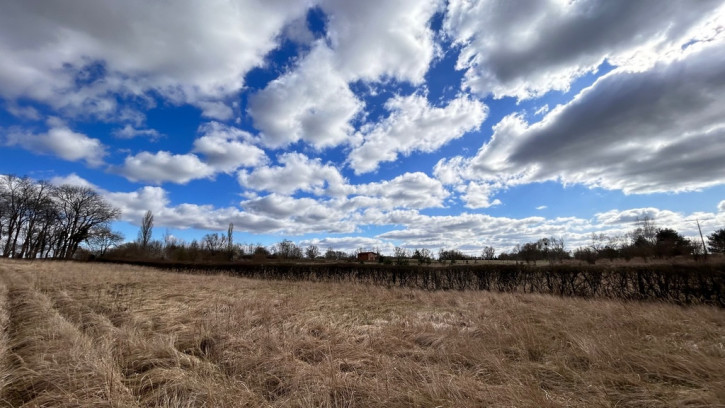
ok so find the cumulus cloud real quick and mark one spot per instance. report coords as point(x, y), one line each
point(414, 126)
point(370, 41)
point(59, 141)
point(660, 130)
point(721, 206)
point(537, 46)
point(74, 180)
point(164, 166)
point(297, 172)
point(478, 195)
point(129, 132)
point(381, 39)
point(409, 190)
point(311, 103)
point(301, 214)
point(133, 206)
point(215, 110)
point(77, 54)
point(227, 148)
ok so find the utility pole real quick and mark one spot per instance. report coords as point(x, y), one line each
point(704, 248)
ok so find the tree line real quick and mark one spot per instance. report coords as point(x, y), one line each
point(646, 241)
point(41, 220)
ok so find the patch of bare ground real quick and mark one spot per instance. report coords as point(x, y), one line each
point(115, 335)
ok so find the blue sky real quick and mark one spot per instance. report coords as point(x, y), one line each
point(374, 124)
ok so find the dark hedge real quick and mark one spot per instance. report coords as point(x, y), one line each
point(682, 284)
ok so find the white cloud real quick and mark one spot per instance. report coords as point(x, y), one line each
point(300, 214)
point(537, 46)
point(311, 103)
point(721, 206)
point(372, 41)
point(414, 126)
point(215, 110)
point(134, 205)
point(660, 130)
point(542, 207)
point(77, 55)
point(296, 173)
point(477, 195)
point(60, 141)
point(23, 112)
point(164, 166)
point(227, 148)
point(129, 132)
point(409, 190)
point(74, 180)
point(381, 39)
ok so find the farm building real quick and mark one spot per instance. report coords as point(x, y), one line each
point(367, 256)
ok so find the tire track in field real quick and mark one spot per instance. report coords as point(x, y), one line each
point(50, 361)
point(4, 321)
point(154, 370)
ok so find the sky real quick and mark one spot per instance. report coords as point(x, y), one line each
point(374, 124)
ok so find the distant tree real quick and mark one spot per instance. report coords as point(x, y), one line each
point(588, 255)
point(716, 241)
point(642, 239)
point(531, 252)
point(312, 252)
point(488, 253)
point(400, 255)
point(101, 239)
point(645, 231)
point(146, 231)
point(422, 255)
point(670, 243)
point(330, 254)
point(214, 243)
point(230, 241)
point(554, 249)
point(260, 252)
point(450, 255)
point(287, 249)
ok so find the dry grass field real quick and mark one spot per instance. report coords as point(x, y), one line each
point(81, 335)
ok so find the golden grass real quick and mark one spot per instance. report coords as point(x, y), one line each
point(100, 335)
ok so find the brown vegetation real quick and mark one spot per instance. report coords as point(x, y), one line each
point(118, 335)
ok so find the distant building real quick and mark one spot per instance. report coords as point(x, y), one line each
point(367, 256)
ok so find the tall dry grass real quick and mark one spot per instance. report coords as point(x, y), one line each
point(97, 335)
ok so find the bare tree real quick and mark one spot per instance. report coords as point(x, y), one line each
point(101, 238)
point(214, 243)
point(312, 252)
point(79, 210)
point(17, 193)
point(488, 253)
point(400, 255)
point(147, 225)
point(287, 249)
